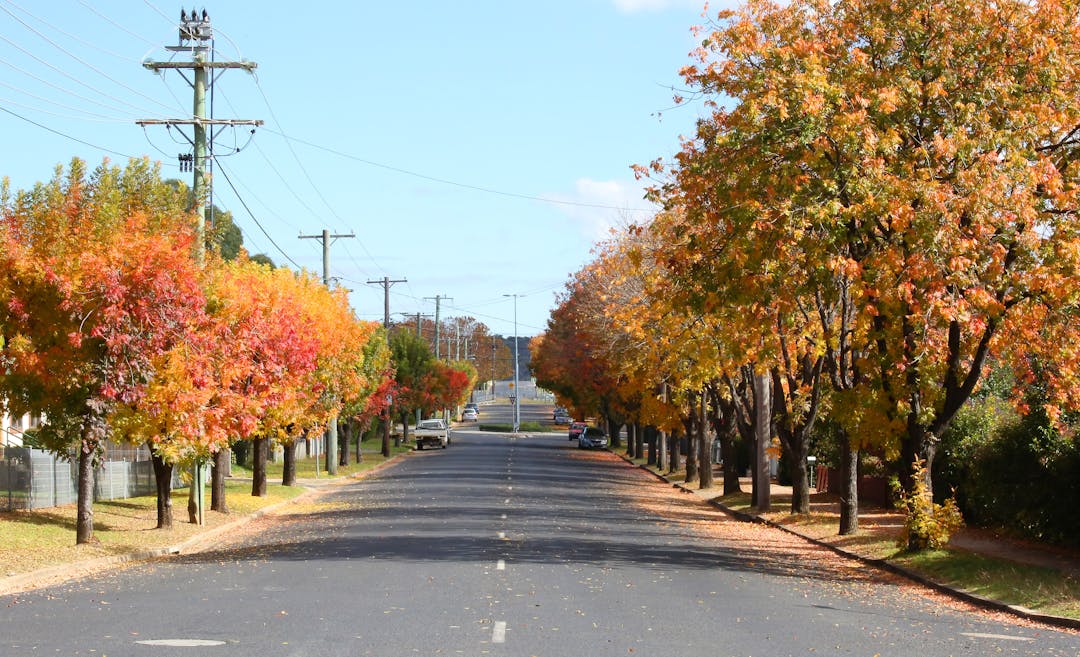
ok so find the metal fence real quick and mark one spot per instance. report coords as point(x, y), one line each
point(36, 479)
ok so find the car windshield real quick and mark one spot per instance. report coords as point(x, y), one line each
point(431, 424)
point(594, 432)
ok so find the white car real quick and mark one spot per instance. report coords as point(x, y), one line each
point(469, 415)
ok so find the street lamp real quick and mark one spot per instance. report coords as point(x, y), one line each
point(517, 395)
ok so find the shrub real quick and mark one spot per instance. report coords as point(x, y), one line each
point(927, 525)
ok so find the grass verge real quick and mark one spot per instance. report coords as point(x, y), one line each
point(1045, 590)
point(531, 427)
point(30, 540)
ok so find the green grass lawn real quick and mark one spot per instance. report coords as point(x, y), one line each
point(311, 468)
point(39, 538)
point(1043, 589)
point(531, 427)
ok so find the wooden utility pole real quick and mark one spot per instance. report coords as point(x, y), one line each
point(196, 37)
point(331, 429)
point(386, 283)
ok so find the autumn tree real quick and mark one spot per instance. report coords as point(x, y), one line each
point(413, 362)
point(909, 168)
point(96, 284)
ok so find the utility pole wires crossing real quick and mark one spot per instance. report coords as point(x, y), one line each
point(196, 37)
point(386, 283)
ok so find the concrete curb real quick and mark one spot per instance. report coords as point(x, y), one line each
point(58, 574)
point(960, 594)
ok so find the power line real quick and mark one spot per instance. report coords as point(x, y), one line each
point(69, 35)
point(318, 192)
point(251, 214)
point(85, 116)
point(80, 60)
point(69, 76)
point(58, 87)
point(444, 181)
point(67, 136)
point(115, 24)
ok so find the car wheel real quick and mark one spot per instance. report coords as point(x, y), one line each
point(419, 447)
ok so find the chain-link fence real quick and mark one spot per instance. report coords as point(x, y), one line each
point(36, 479)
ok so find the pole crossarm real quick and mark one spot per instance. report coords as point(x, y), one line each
point(200, 121)
point(386, 282)
point(157, 66)
point(327, 239)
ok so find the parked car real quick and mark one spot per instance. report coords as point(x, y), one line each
point(575, 429)
point(563, 418)
point(432, 433)
point(469, 415)
point(592, 438)
point(559, 410)
point(473, 406)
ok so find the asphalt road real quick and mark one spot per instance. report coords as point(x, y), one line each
point(496, 546)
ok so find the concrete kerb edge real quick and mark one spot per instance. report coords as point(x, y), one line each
point(58, 574)
point(960, 594)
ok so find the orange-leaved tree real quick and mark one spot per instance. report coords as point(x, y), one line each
point(96, 284)
point(911, 170)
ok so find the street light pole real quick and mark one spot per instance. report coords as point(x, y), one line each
point(517, 393)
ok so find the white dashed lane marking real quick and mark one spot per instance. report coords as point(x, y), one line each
point(498, 635)
point(500, 565)
point(1004, 637)
point(182, 643)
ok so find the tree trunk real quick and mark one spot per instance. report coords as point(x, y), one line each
point(675, 452)
point(705, 479)
point(288, 470)
point(654, 444)
point(691, 443)
point(222, 459)
point(84, 524)
point(346, 438)
point(762, 438)
point(331, 447)
point(632, 442)
point(163, 486)
point(639, 440)
point(614, 430)
point(386, 435)
point(242, 450)
point(849, 500)
point(800, 483)
point(730, 454)
point(258, 469)
point(192, 502)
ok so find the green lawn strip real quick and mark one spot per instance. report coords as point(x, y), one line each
point(306, 467)
point(532, 427)
point(1045, 590)
point(30, 540)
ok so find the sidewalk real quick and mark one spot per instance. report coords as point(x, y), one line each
point(879, 529)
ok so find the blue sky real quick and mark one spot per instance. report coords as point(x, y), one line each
point(476, 148)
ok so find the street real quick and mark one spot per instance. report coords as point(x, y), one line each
point(503, 545)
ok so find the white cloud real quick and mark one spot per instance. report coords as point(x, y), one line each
point(635, 6)
point(598, 206)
